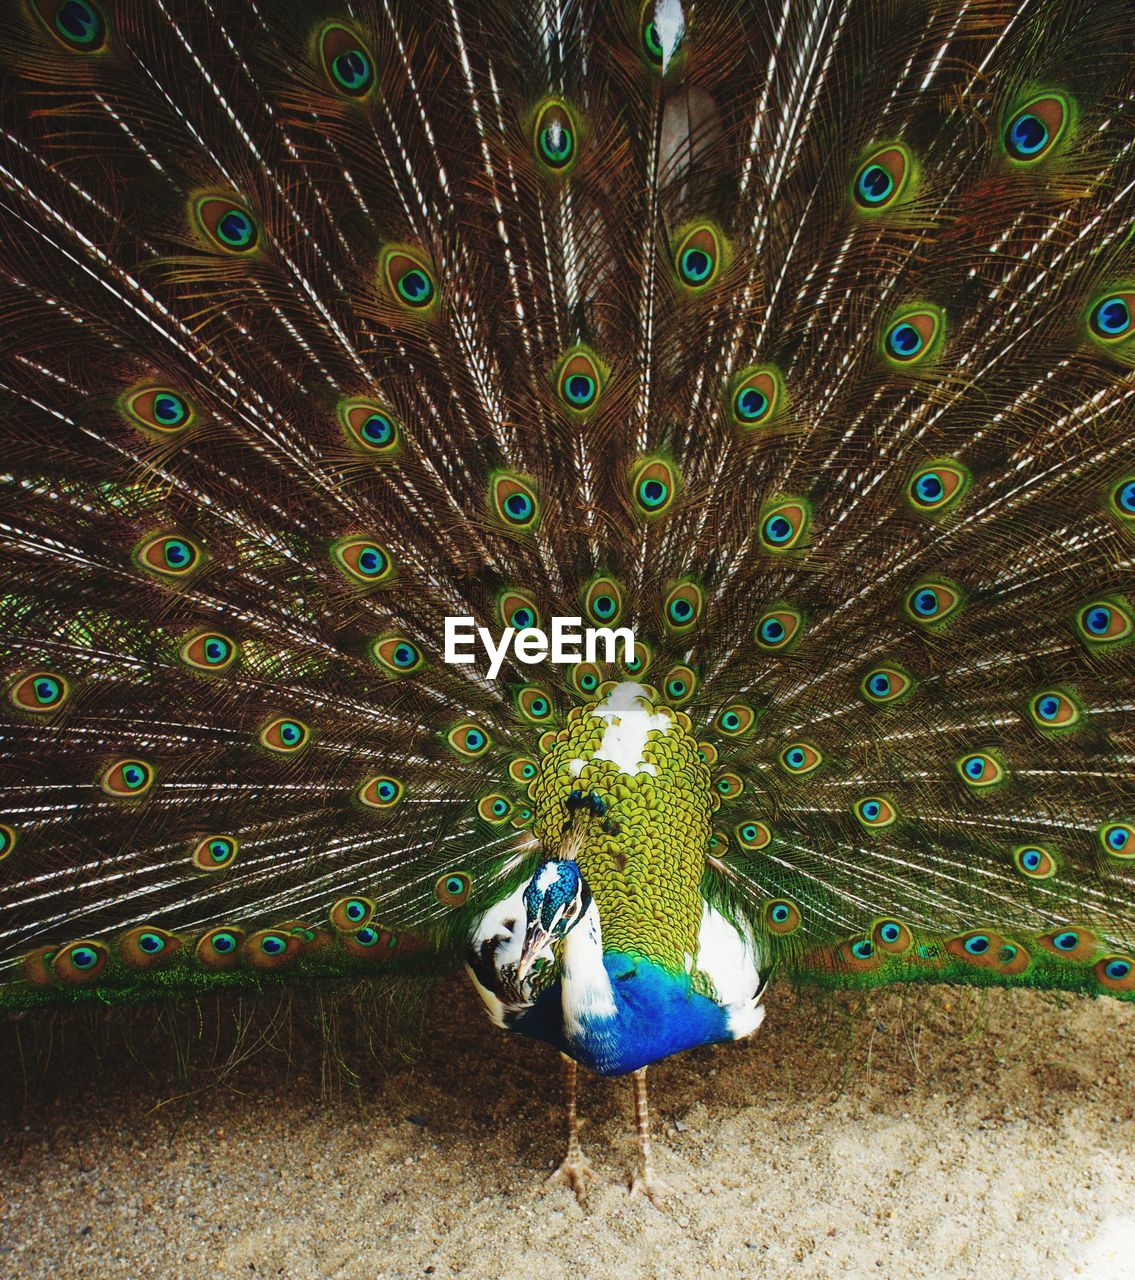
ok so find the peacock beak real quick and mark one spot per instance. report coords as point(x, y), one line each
point(536, 940)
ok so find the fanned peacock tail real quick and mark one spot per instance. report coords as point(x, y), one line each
point(798, 338)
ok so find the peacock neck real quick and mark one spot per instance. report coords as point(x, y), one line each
point(587, 994)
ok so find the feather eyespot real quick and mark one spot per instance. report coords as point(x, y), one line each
point(1105, 622)
point(892, 936)
point(346, 62)
point(159, 409)
point(989, 951)
point(980, 769)
point(729, 786)
point(215, 853)
point(40, 692)
point(380, 792)
point(708, 754)
point(884, 685)
point(349, 914)
point(799, 758)
point(79, 962)
point(1053, 710)
point(554, 136)
point(579, 380)
point(654, 484)
point(468, 739)
point(679, 684)
point(270, 948)
point(518, 610)
point(757, 397)
point(586, 678)
point(284, 735)
point(8, 837)
point(699, 256)
point(639, 660)
point(369, 426)
point(409, 279)
point(1118, 840)
point(494, 809)
point(603, 601)
point(782, 916)
point(778, 628)
point(882, 178)
point(914, 335)
point(938, 486)
point(208, 651)
point(875, 812)
point(1111, 319)
point(784, 524)
point(522, 770)
point(753, 835)
point(735, 720)
point(224, 223)
point(1033, 129)
point(534, 704)
point(655, 35)
point(1034, 862)
point(514, 503)
point(170, 556)
point(683, 607)
point(1117, 973)
point(397, 655)
point(1122, 500)
point(78, 25)
point(363, 561)
point(453, 888)
point(219, 948)
point(1072, 944)
point(127, 778)
point(146, 946)
point(858, 954)
point(931, 603)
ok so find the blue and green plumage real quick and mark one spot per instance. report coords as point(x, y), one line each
point(800, 342)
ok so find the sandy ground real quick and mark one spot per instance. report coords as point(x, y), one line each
point(918, 1133)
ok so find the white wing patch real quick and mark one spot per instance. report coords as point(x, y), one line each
point(727, 955)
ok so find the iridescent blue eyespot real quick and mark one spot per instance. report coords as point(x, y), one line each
point(864, 949)
point(224, 943)
point(778, 529)
point(751, 404)
point(84, 957)
point(977, 945)
point(929, 487)
point(696, 265)
point(870, 809)
point(904, 341)
point(377, 429)
point(272, 945)
point(236, 229)
point(1098, 620)
point(772, 630)
point(1066, 941)
point(780, 913)
point(1111, 318)
point(415, 287)
point(151, 943)
point(652, 493)
point(1125, 497)
point(890, 932)
point(1117, 969)
point(875, 185)
point(1026, 135)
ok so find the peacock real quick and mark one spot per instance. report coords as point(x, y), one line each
point(783, 348)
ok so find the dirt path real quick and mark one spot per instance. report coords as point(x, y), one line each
point(920, 1133)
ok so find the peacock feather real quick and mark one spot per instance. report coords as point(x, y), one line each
point(795, 340)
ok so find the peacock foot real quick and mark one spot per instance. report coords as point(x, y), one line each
point(574, 1172)
point(644, 1183)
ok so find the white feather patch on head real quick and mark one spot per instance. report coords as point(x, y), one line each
point(630, 718)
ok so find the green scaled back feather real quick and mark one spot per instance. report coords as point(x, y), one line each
point(803, 347)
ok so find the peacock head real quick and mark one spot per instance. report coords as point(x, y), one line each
point(555, 901)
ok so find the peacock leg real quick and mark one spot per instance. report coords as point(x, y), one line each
point(644, 1182)
point(573, 1169)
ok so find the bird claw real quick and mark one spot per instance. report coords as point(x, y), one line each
point(574, 1172)
point(654, 1189)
